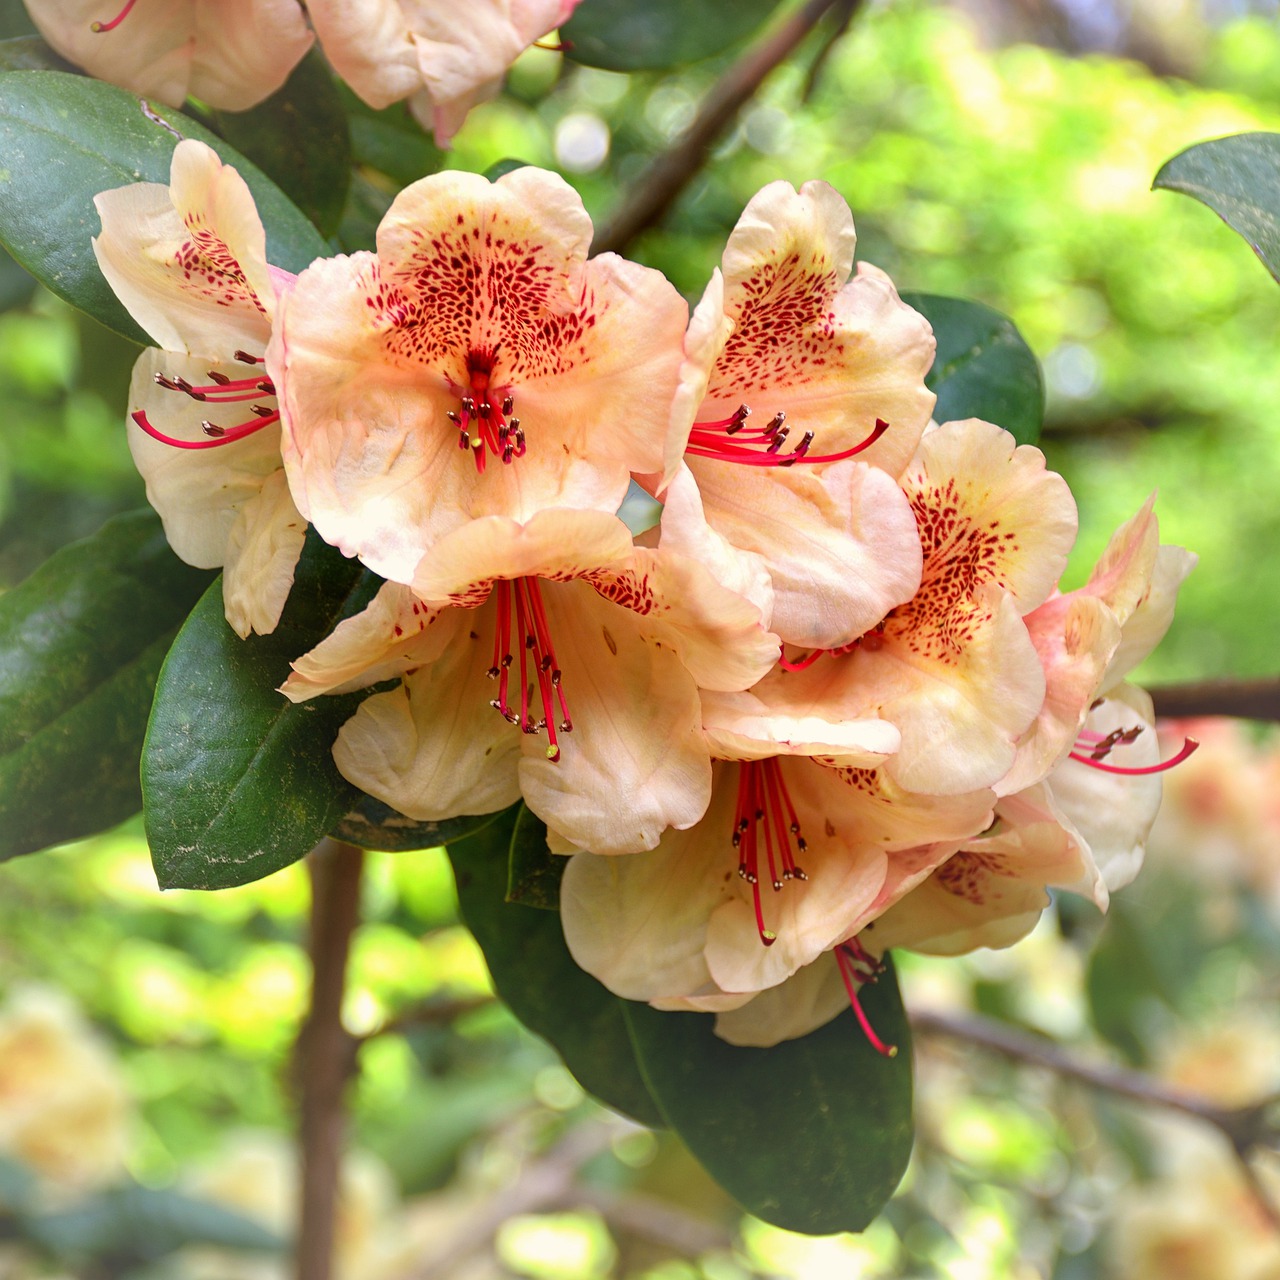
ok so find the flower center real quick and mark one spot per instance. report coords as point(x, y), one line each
point(731, 440)
point(765, 821)
point(520, 608)
point(484, 423)
point(1093, 748)
point(873, 639)
point(219, 390)
point(98, 28)
point(858, 967)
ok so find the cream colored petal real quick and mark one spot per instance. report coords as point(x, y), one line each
point(840, 545)
point(245, 50)
point(809, 999)
point(1146, 626)
point(149, 53)
point(393, 634)
point(717, 634)
point(1122, 576)
point(557, 544)
point(989, 512)
point(198, 492)
point(368, 43)
point(834, 354)
point(433, 748)
point(635, 762)
point(189, 260)
point(1075, 636)
point(262, 553)
point(1111, 813)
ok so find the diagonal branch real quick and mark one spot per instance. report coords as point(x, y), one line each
point(662, 182)
point(1245, 1128)
point(1248, 699)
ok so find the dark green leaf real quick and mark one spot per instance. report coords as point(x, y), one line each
point(621, 35)
point(81, 643)
point(390, 141)
point(813, 1134)
point(30, 53)
point(1239, 179)
point(299, 138)
point(14, 19)
point(128, 1226)
point(16, 285)
point(500, 168)
point(537, 977)
point(238, 781)
point(533, 871)
point(65, 138)
point(984, 368)
point(374, 825)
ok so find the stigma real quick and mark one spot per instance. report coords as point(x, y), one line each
point(220, 390)
point(101, 28)
point(857, 968)
point(484, 417)
point(522, 614)
point(731, 440)
point(766, 834)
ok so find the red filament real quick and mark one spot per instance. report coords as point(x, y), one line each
point(765, 822)
point(484, 422)
point(519, 601)
point(731, 440)
point(858, 967)
point(101, 27)
point(220, 389)
point(1093, 749)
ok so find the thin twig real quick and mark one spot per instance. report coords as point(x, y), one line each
point(1248, 699)
point(1245, 1128)
point(325, 1052)
point(657, 188)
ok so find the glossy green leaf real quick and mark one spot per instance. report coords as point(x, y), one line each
point(812, 1134)
point(1239, 179)
point(537, 977)
point(237, 780)
point(374, 825)
point(299, 138)
point(390, 140)
point(81, 643)
point(63, 139)
point(983, 368)
point(533, 871)
point(30, 53)
point(621, 35)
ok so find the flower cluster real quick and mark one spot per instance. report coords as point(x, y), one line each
point(833, 703)
point(232, 54)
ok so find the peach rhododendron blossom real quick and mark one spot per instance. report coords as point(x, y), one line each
point(443, 56)
point(229, 53)
point(792, 369)
point(189, 262)
point(954, 668)
point(477, 365)
point(551, 659)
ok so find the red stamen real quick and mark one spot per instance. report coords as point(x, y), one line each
point(218, 435)
point(485, 424)
point(764, 805)
point(857, 966)
point(1094, 761)
point(101, 27)
point(763, 446)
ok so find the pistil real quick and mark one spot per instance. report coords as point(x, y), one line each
point(857, 968)
point(100, 28)
point(731, 440)
point(765, 821)
point(1093, 748)
point(519, 602)
point(220, 390)
point(484, 420)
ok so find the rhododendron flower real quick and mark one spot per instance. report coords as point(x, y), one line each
point(813, 829)
point(551, 659)
point(477, 365)
point(189, 262)
point(832, 368)
point(443, 56)
point(954, 668)
point(229, 53)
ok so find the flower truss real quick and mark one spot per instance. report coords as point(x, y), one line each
point(834, 703)
point(444, 57)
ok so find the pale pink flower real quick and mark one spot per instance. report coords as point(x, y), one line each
point(477, 365)
point(551, 659)
point(228, 53)
point(443, 56)
point(189, 262)
point(834, 369)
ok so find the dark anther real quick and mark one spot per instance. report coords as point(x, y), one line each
point(507, 405)
point(212, 429)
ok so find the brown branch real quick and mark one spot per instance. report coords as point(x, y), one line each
point(1248, 699)
point(324, 1055)
point(1245, 1128)
point(663, 181)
